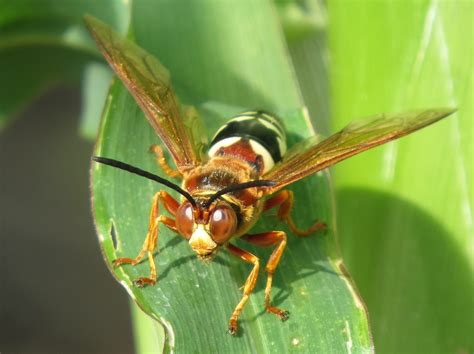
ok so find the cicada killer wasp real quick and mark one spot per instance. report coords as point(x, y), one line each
point(243, 174)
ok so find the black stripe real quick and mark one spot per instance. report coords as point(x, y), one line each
point(253, 129)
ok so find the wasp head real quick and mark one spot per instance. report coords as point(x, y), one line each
point(206, 227)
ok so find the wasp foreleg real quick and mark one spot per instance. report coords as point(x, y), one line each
point(248, 286)
point(160, 158)
point(267, 239)
point(284, 200)
point(150, 243)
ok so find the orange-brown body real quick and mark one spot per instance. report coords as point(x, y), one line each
point(220, 172)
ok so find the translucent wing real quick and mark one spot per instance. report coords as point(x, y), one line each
point(149, 83)
point(313, 155)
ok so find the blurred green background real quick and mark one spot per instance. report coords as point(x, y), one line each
point(404, 211)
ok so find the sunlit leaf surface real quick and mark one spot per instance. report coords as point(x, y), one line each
point(405, 209)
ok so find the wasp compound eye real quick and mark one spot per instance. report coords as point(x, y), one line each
point(185, 219)
point(223, 222)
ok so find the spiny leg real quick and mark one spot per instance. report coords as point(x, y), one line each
point(248, 286)
point(151, 280)
point(151, 239)
point(284, 200)
point(171, 205)
point(160, 158)
point(267, 239)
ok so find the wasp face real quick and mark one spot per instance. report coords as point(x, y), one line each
point(206, 228)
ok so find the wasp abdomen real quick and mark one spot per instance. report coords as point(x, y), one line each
point(255, 136)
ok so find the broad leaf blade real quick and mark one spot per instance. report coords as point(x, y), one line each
point(405, 209)
point(219, 52)
point(43, 44)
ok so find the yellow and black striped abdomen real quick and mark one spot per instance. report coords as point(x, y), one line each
point(255, 136)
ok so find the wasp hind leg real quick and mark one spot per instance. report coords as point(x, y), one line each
point(268, 239)
point(285, 200)
point(160, 158)
point(151, 240)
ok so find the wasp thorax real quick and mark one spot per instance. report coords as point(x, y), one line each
point(206, 229)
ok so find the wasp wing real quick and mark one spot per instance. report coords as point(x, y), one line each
point(314, 155)
point(149, 83)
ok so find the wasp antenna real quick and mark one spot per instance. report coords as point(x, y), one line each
point(132, 169)
point(237, 187)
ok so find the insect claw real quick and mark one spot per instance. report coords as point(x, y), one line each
point(284, 315)
point(142, 282)
point(138, 283)
point(322, 226)
point(232, 328)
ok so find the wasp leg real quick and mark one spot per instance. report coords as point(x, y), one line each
point(268, 239)
point(151, 239)
point(160, 158)
point(248, 286)
point(284, 199)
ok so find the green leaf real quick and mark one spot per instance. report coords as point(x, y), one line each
point(235, 54)
point(405, 209)
point(44, 44)
point(25, 78)
point(310, 56)
point(95, 86)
